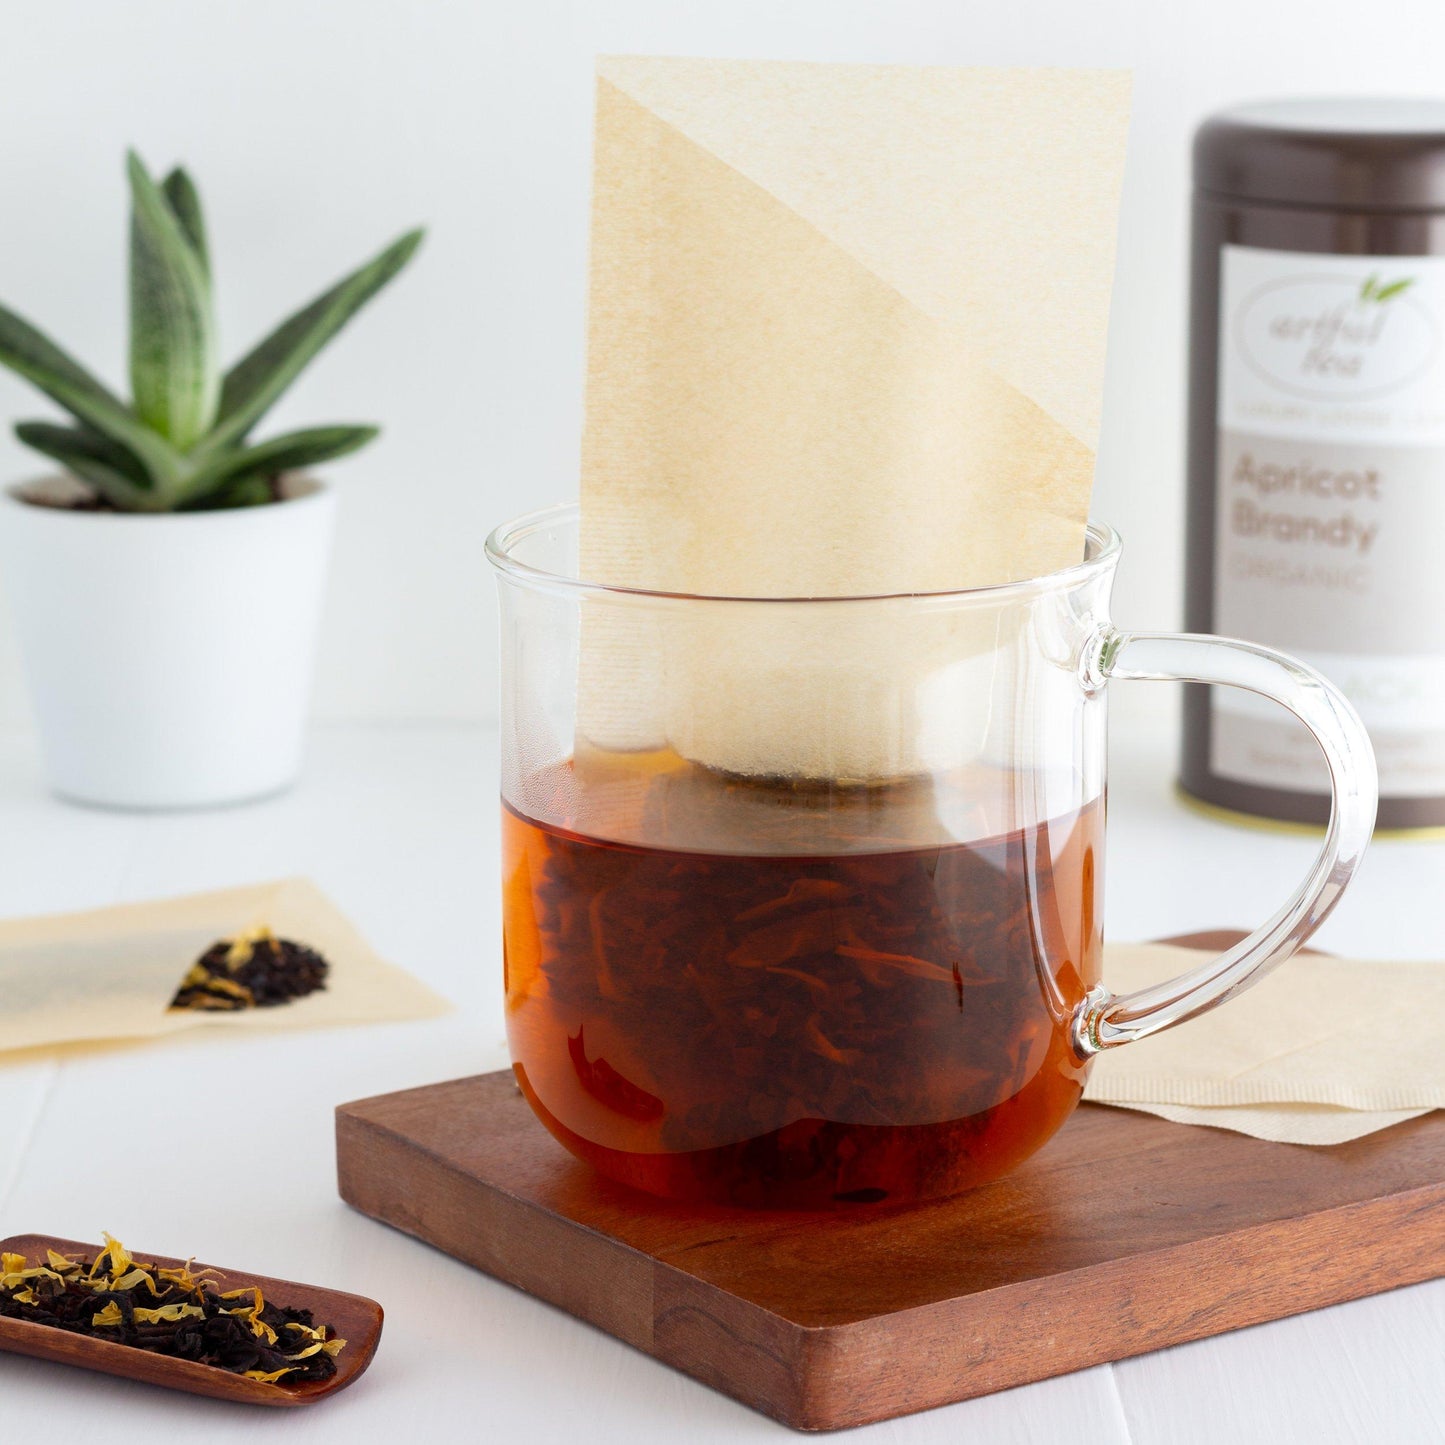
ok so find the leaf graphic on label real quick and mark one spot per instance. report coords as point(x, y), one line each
point(1367, 287)
point(1394, 288)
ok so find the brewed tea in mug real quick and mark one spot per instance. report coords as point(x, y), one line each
point(845, 950)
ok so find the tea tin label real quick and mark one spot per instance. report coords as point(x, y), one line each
point(1330, 504)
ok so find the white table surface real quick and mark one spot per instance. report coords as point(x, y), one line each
point(399, 825)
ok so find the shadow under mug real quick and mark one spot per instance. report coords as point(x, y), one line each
point(803, 897)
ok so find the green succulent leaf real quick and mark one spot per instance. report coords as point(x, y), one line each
point(182, 442)
point(34, 356)
point(173, 369)
point(30, 354)
point(112, 470)
point(185, 203)
point(248, 492)
point(259, 378)
point(269, 458)
point(82, 441)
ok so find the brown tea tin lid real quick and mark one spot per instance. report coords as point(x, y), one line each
point(1356, 154)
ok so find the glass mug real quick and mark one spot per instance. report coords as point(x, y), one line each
point(802, 897)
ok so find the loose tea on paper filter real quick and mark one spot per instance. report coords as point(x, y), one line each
point(113, 973)
point(253, 970)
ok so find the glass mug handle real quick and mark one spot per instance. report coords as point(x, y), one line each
point(1105, 1020)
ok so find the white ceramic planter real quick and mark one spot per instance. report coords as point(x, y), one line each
point(169, 657)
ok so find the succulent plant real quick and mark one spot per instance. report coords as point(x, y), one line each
point(184, 441)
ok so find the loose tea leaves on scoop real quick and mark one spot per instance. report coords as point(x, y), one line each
point(252, 970)
point(168, 1312)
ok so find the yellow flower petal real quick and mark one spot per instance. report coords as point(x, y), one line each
point(184, 1278)
point(18, 1277)
point(243, 945)
point(169, 1313)
point(110, 1315)
point(132, 1279)
point(230, 988)
point(272, 1377)
point(113, 1257)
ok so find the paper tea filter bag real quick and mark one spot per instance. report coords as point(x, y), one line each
point(111, 973)
point(846, 338)
point(1323, 1050)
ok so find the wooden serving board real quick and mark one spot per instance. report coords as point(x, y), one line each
point(1124, 1234)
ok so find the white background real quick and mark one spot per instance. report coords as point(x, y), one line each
point(320, 130)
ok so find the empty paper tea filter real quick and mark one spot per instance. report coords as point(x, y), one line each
point(847, 329)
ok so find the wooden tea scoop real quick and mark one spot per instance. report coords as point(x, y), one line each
point(354, 1318)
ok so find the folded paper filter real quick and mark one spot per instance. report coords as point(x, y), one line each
point(846, 338)
point(111, 973)
point(1323, 1050)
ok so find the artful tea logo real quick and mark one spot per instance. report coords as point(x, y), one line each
point(1337, 337)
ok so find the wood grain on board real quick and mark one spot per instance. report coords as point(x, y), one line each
point(1124, 1234)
